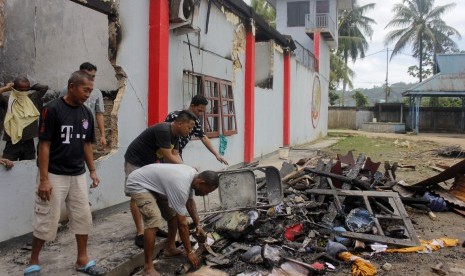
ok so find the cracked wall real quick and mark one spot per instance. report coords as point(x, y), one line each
point(2, 22)
point(48, 40)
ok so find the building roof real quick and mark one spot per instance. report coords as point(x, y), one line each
point(451, 63)
point(263, 30)
point(449, 82)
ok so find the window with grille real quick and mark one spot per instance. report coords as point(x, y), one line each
point(220, 114)
point(296, 12)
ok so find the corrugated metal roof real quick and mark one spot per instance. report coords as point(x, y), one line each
point(450, 82)
point(445, 85)
point(451, 63)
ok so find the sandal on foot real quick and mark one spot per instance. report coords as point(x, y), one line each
point(92, 269)
point(33, 270)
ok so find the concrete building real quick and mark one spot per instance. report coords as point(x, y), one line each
point(152, 60)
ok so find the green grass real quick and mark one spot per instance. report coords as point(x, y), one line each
point(379, 149)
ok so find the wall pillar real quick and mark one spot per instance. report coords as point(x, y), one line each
point(287, 99)
point(249, 91)
point(316, 50)
point(158, 61)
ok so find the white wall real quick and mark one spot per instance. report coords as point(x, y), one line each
point(301, 93)
point(324, 79)
point(211, 56)
point(269, 111)
point(297, 33)
point(302, 129)
point(18, 184)
point(48, 40)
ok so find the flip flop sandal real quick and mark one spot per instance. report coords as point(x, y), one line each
point(92, 269)
point(33, 270)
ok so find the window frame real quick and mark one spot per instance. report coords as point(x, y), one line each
point(206, 116)
point(299, 7)
point(231, 114)
point(227, 99)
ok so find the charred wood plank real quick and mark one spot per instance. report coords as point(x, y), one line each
point(352, 181)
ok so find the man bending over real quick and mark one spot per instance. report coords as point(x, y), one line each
point(166, 191)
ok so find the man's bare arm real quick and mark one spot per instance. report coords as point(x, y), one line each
point(101, 126)
point(89, 158)
point(207, 143)
point(170, 156)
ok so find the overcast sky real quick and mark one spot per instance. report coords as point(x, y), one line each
point(371, 70)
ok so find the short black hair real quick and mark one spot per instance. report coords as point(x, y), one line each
point(78, 77)
point(20, 79)
point(199, 100)
point(88, 66)
point(185, 115)
point(211, 178)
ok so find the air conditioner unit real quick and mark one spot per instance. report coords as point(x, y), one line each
point(181, 10)
point(188, 23)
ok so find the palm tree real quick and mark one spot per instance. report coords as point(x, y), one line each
point(353, 27)
point(262, 8)
point(340, 72)
point(419, 22)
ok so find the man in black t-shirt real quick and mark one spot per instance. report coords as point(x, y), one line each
point(158, 143)
point(197, 106)
point(66, 131)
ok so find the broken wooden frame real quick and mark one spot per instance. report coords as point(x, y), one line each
point(395, 203)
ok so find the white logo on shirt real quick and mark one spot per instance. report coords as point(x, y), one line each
point(67, 134)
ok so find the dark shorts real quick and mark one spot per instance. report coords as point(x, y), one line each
point(23, 150)
point(153, 207)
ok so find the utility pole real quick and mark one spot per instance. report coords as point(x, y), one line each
point(386, 87)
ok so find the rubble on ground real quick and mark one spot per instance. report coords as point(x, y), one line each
point(320, 215)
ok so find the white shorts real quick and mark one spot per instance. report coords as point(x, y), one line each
point(74, 191)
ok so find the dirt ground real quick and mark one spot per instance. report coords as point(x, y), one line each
point(420, 151)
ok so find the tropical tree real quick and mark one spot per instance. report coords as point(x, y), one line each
point(340, 73)
point(264, 9)
point(353, 27)
point(333, 97)
point(360, 99)
point(418, 23)
point(428, 60)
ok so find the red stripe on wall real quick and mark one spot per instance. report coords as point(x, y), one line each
point(316, 50)
point(158, 61)
point(249, 97)
point(287, 99)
